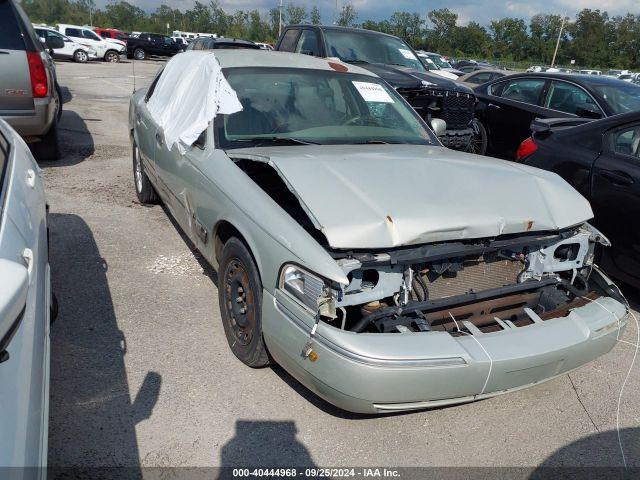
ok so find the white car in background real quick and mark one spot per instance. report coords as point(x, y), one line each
point(108, 50)
point(71, 50)
point(431, 65)
point(181, 41)
point(26, 308)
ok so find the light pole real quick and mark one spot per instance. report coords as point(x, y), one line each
point(280, 19)
point(555, 52)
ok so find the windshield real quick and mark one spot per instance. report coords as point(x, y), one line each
point(439, 61)
point(621, 98)
point(303, 106)
point(428, 63)
point(354, 46)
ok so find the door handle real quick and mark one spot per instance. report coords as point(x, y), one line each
point(618, 178)
point(159, 139)
point(494, 106)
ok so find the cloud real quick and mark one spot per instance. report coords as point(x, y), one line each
point(481, 11)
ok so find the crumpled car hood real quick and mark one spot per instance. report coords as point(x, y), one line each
point(383, 196)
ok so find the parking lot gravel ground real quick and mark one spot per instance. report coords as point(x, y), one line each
point(141, 374)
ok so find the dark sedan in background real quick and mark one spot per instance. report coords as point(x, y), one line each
point(507, 106)
point(601, 159)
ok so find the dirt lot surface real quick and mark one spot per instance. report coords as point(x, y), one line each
point(141, 374)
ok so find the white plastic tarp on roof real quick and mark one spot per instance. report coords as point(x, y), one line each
point(189, 94)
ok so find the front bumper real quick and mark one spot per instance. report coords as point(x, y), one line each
point(457, 139)
point(373, 373)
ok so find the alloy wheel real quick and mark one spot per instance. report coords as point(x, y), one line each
point(112, 57)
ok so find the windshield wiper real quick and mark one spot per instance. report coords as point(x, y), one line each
point(355, 61)
point(259, 141)
point(377, 142)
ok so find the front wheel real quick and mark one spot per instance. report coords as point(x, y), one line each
point(80, 56)
point(479, 140)
point(139, 54)
point(240, 297)
point(144, 189)
point(112, 57)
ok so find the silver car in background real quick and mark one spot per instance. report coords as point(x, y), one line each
point(25, 307)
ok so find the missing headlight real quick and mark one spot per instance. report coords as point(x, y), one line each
point(308, 289)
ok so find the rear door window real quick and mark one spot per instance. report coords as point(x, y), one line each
point(10, 34)
point(627, 141)
point(289, 40)
point(569, 98)
point(479, 78)
point(526, 90)
point(73, 32)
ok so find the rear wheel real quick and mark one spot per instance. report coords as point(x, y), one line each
point(48, 147)
point(144, 189)
point(139, 54)
point(478, 143)
point(112, 57)
point(240, 297)
point(80, 56)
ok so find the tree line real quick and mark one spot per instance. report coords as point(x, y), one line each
point(593, 38)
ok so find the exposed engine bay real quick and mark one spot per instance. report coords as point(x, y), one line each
point(463, 287)
point(460, 287)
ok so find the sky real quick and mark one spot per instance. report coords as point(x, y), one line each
point(482, 11)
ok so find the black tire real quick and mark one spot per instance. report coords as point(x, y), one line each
point(60, 101)
point(48, 147)
point(112, 57)
point(144, 189)
point(240, 298)
point(479, 141)
point(54, 308)
point(80, 56)
point(139, 54)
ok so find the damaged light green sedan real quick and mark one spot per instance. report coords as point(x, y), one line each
point(382, 270)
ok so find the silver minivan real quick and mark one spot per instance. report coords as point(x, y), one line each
point(30, 99)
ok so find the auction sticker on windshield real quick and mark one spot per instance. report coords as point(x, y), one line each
point(408, 54)
point(372, 92)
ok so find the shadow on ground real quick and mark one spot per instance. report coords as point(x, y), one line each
point(76, 142)
point(264, 444)
point(92, 412)
point(602, 450)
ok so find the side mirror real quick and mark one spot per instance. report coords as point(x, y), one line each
point(438, 126)
point(54, 42)
point(13, 299)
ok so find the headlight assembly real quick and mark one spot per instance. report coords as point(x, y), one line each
point(307, 289)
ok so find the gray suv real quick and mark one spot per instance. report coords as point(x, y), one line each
point(30, 99)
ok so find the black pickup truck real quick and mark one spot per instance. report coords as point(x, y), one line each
point(390, 58)
point(143, 45)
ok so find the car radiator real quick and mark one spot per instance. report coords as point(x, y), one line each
point(476, 275)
